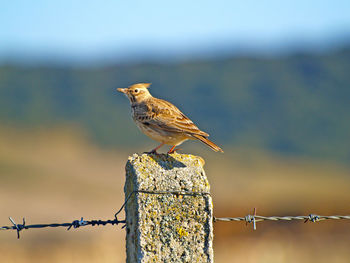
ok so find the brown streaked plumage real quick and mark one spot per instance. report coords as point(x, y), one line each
point(161, 120)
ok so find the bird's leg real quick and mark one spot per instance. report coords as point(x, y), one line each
point(154, 151)
point(172, 149)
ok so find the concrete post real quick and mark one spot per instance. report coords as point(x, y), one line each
point(169, 213)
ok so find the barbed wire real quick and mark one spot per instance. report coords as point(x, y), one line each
point(256, 218)
point(82, 222)
point(248, 218)
point(74, 224)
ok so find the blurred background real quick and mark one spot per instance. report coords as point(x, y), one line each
point(268, 80)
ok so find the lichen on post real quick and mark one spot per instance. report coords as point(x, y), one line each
point(169, 212)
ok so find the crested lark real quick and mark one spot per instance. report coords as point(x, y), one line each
point(161, 120)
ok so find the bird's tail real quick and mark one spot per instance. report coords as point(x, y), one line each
point(208, 142)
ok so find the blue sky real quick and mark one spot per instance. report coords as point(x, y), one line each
point(86, 29)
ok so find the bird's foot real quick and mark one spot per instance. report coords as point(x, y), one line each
point(154, 151)
point(173, 150)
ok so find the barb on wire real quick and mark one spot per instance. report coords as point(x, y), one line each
point(251, 219)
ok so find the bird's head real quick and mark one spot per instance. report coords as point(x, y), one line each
point(137, 92)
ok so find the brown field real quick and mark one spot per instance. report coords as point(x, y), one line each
point(57, 175)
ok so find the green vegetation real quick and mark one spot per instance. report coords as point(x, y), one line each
point(298, 104)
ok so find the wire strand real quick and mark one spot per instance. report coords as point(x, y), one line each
point(248, 218)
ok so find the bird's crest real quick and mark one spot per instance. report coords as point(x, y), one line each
point(141, 85)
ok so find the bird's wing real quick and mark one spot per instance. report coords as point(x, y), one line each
point(166, 116)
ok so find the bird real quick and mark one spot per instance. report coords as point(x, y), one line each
point(161, 120)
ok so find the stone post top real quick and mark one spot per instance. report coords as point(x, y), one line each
point(168, 160)
point(167, 172)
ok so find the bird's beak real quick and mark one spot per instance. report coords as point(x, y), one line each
point(121, 90)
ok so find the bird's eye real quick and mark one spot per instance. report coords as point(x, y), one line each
point(136, 90)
